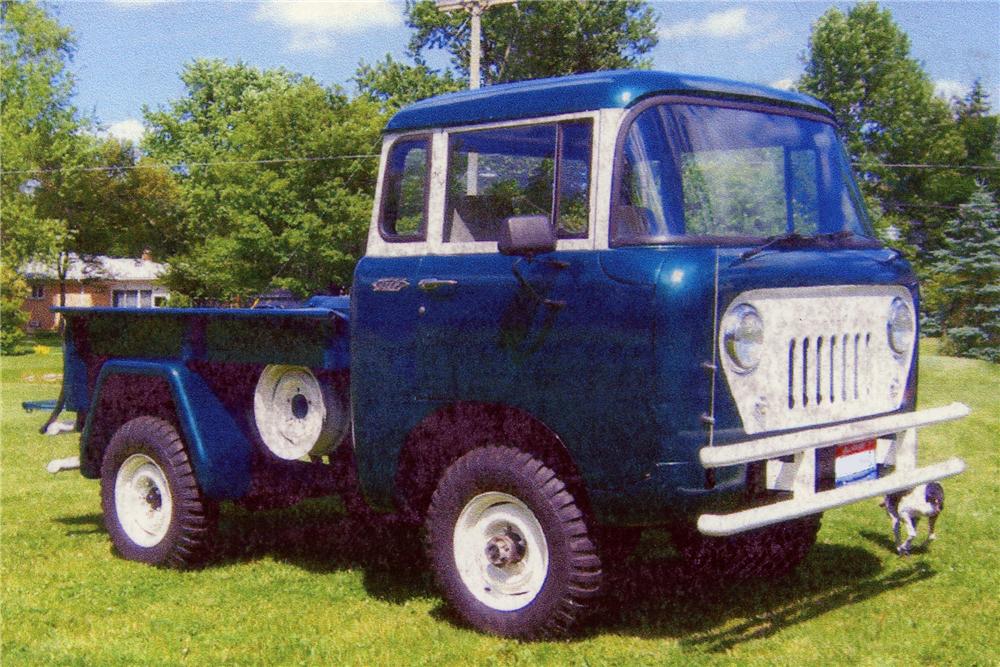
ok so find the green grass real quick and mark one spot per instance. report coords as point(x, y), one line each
point(307, 586)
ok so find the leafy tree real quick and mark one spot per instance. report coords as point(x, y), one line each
point(39, 134)
point(394, 84)
point(859, 63)
point(275, 175)
point(966, 279)
point(533, 39)
point(39, 124)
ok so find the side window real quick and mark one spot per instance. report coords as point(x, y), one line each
point(526, 170)
point(404, 209)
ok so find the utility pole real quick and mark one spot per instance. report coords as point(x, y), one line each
point(475, 9)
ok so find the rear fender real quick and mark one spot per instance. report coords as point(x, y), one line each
point(219, 451)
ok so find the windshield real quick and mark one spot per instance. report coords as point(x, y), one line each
point(718, 173)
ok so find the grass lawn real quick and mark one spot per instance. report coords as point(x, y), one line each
point(307, 586)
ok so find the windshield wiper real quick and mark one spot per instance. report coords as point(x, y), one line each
point(794, 240)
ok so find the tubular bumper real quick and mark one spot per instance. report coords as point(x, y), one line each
point(802, 445)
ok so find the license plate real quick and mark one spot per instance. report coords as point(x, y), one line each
point(855, 462)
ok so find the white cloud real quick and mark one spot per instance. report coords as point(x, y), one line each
point(130, 129)
point(783, 84)
point(947, 89)
point(312, 25)
point(724, 24)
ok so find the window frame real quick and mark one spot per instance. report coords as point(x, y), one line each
point(388, 237)
point(618, 169)
point(559, 123)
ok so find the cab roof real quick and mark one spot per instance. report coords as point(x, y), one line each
point(619, 89)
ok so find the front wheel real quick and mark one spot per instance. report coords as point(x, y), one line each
point(153, 508)
point(509, 546)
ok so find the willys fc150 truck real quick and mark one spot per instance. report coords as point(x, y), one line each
point(589, 306)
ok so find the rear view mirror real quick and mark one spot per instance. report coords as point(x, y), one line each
point(526, 235)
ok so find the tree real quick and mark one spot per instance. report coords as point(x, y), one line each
point(394, 84)
point(860, 65)
point(966, 279)
point(980, 132)
point(39, 133)
point(533, 39)
point(275, 174)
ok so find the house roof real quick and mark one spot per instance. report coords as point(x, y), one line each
point(98, 267)
point(618, 89)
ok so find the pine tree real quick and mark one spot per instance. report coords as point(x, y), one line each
point(966, 280)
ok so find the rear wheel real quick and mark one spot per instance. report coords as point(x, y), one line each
point(509, 546)
point(772, 551)
point(153, 508)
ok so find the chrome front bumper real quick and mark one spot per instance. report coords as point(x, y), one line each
point(801, 472)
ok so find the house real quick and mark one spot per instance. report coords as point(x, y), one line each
point(93, 281)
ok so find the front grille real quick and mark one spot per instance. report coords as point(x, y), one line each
point(825, 357)
point(828, 369)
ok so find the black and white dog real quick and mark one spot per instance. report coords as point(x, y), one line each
point(908, 506)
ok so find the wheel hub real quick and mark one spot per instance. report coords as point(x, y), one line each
point(154, 498)
point(506, 549)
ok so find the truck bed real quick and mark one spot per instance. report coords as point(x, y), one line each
point(315, 336)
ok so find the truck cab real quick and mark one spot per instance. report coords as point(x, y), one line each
point(589, 306)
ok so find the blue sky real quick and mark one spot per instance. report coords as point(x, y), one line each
point(130, 52)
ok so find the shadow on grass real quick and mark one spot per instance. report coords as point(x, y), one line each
point(661, 598)
point(649, 596)
point(317, 536)
point(94, 522)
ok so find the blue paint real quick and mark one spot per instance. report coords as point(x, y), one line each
point(219, 452)
point(618, 89)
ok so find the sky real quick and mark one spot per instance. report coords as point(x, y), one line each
point(130, 52)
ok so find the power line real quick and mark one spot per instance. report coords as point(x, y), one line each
point(370, 156)
point(188, 165)
point(911, 165)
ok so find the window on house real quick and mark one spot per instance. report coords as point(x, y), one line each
point(160, 301)
point(38, 291)
point(132, 298)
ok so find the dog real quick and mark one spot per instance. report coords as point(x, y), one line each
point(908, 506)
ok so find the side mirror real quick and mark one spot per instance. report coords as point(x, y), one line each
point(526, 235)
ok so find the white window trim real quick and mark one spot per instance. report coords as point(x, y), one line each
point(600, 189)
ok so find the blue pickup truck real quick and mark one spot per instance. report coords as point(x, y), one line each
point(589, 306)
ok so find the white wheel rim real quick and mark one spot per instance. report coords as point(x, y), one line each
point(495, 518)
point(142, 500)
point(291, 411)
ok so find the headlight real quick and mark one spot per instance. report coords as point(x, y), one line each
point(743, 337)
point(900, 326)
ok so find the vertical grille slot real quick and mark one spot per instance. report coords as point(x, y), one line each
point(805, 372)
point(791, 374)
point(819, 370)
point(833, 366)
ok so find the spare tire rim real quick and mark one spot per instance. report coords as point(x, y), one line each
point(142, 500)
point(500, 551)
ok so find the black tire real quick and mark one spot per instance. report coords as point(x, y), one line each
point(562, 577)
point(174, 530)
point(765, 553)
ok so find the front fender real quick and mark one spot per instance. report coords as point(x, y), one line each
point(219, 452)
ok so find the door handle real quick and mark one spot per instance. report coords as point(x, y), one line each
point(436, 284)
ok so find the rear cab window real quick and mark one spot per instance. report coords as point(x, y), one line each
point(539, 169)
point(403, 215)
